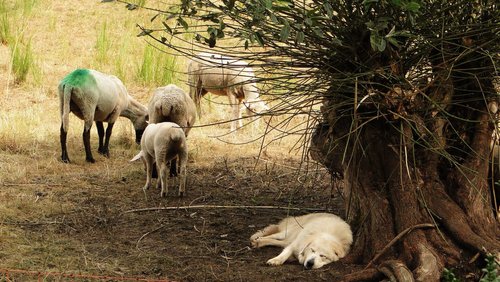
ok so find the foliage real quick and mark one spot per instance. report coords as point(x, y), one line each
point(490, 271)
point(449, 276)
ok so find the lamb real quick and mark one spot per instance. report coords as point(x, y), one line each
point(94, 96)
point(222, 75)
point(170, 103)
point(161, 143)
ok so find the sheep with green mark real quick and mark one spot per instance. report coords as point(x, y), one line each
point(94, 96)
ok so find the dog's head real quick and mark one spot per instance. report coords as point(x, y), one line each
point(321, 249)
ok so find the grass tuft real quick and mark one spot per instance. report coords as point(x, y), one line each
point(22, 60)
point(5, 33)
point(103, 44)
point(157, 68)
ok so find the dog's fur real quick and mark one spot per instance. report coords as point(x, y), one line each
point(314, 239)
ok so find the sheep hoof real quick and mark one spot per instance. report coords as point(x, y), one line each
point(181, 194)
point(90, 160)
point(65, 160)
point(104, 152)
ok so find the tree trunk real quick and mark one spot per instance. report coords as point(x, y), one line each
point(421, 178)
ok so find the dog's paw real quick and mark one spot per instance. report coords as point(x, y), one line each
point(275, 261)
point(256, 235)
point(255, 242)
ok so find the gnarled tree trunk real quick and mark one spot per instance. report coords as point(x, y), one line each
point(416, 169)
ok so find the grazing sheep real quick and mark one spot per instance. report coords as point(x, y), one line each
point(94, 96)
point(170, 103)
point(161, 143)
point(223, 75)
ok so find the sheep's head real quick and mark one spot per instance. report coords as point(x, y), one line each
point(255, 106)
point(140, 125)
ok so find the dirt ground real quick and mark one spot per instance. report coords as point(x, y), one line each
point(184, 244)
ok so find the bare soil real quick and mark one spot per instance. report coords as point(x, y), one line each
point(184, 244)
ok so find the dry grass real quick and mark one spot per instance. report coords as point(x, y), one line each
point(37, 188)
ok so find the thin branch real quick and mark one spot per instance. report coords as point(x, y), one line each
point(146, 234)
point(221, 207)
point(399, 236)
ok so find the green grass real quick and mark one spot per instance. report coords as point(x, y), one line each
point(23, 60)
point(5, 33)
point(103, 44)
point(157, 68)
point(28, 6)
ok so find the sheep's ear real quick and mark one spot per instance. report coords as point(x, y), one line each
point(138, 156)
point(147, 117)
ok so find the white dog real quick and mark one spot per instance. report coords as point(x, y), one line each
point(314, 239)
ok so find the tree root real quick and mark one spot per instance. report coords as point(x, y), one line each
point(370, 274)
point(393, 241)
point(455, 221)
point(429, 266)
point(396, 270)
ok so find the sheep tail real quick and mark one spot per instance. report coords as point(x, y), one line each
point(65, 93)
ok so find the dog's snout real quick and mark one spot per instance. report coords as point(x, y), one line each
point(309, 264)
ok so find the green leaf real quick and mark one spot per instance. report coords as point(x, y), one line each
point(412, 6)
point(268, 4)
point(328, 8)
point(183, 23)
point(285, 32)
point(392, 41)
point(300, 37)
point(317, 30)
point(154, 17)
point(259, 38)
point(169, 30)
point(145, 32)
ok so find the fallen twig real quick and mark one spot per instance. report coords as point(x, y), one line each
point(399, 236)
point(146, 234)
point(221, 207)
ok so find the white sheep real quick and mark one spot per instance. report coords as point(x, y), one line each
point(170, 103)
point(161, 143)
point(94, 96)
point(222, 75)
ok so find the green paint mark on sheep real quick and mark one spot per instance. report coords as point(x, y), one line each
point(79, 78)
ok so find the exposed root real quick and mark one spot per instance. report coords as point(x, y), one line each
point(429, 266)
point(455, 221)
point(370, 274)
point(396, 270)
point(393, 241)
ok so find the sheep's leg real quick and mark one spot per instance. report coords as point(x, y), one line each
point(183, 157)
point(233, 102)
point(164, 179)
point(100, 132)
point(173, 167)
point(148, 162)
point(64, 150)
point(86, 141)
point(109, 129)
